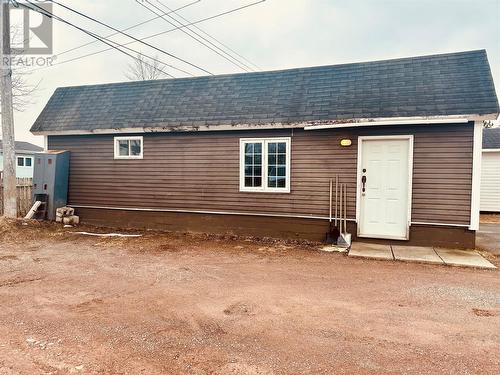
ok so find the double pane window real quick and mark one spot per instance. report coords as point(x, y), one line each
point(128, 147)
point(24, 161)
point(265, 165)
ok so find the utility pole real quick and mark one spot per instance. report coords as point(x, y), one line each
point(8, 140)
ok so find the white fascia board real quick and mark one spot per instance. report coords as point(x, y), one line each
point(174, 129)
point(387, 123)
point(307, 125)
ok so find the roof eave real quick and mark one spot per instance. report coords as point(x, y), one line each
point(307, 125)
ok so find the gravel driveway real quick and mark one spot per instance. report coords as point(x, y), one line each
point(193, 304)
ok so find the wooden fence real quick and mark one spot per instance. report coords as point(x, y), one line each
point(24, 196)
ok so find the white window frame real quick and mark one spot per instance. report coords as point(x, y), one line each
point(264, 188)
point(24, 161)
point(26, 158)
point(129, 138)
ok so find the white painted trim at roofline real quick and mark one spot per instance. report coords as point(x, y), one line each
point(476, 176)
point(237, 213)
point(385, 123)
point(410, 139)
point(272, 125)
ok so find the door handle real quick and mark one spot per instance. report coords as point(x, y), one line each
point(363, 181)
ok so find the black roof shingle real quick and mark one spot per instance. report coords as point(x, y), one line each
point(447, 84)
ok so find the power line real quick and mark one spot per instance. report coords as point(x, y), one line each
point(202, 41)
point(152, 35)
point(128, 35)
point(128, 28)
point(210, 36)
point(96, 36)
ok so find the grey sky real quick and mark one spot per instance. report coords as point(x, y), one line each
point(276, 34)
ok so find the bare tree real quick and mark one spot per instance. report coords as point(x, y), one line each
point(22, 90)
point(144, 69)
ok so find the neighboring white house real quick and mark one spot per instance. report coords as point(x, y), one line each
point(490, 171)
point(24, 158)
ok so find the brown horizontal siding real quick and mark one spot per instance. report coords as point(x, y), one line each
point(200, 172)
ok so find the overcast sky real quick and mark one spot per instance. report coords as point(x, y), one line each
point(275, 34)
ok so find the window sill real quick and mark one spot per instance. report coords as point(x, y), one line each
point(128, 157)
point(273, 191)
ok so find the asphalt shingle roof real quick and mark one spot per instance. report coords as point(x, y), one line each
point(24, 146)
point(447, 84)
point(491, 138)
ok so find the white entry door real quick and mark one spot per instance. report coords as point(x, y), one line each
point(384, 186)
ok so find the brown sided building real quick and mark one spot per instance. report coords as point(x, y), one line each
point(253, 153)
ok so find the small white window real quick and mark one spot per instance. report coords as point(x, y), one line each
point(265, 165)
point(24, 161)
point(128, 147)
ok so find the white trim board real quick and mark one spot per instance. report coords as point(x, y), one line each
point(410, 139)
point(310, 125)
point(240, 214)
point(205, 212)
point(386, 123)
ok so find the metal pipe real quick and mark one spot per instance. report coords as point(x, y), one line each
point(330, 200)
point(336, 197)
point(340, 209)
point(345, 208)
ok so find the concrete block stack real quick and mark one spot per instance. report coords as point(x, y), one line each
point(66, 215)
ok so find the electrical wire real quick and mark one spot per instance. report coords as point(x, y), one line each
point(153, 35)
point(128, 28)
point(98, 37)
point(128, 35)
point(199, 38)
point(210, 36)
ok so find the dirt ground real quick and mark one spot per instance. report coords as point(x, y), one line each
point(195, 304)
point(490, 218)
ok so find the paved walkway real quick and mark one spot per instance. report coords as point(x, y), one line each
point(467, 258)
point(488, 237)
